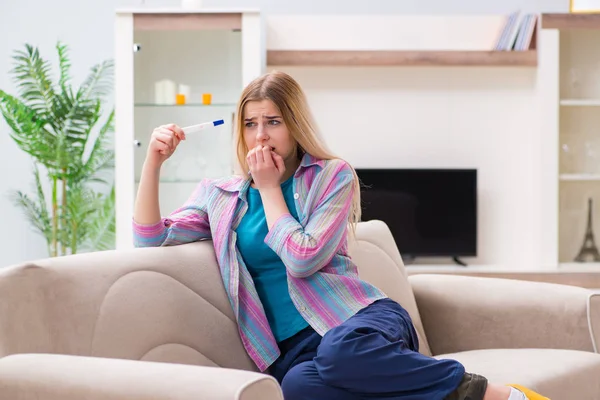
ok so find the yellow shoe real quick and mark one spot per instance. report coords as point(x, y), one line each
point(531, 395)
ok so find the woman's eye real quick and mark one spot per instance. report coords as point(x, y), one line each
point(274, 122)
point(249, 124)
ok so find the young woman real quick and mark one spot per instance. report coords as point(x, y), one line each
point(280, 235)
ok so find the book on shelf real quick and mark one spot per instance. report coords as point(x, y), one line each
point(517, 33)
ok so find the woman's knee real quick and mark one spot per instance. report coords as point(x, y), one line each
point(299, 382)
point(333, 350)
point(303, 382)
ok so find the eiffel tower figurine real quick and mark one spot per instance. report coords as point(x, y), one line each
point(588, 249)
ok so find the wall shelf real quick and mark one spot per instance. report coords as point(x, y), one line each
point(213, 105)
point(570, 21)
point(401, 58)
point(580, 102)
point(580, 177)
point(393, 40)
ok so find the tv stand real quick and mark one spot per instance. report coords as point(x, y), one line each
point(459, 261)
point(408, 259)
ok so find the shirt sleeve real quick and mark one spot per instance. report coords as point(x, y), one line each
point(189, 223)
point(305, 250)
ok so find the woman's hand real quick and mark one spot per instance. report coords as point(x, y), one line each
point(266, 167)
point(163, 142)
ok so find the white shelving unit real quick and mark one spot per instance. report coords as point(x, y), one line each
point(580, 102)
point(569, 69)
point(208, 50)
point(580, 177)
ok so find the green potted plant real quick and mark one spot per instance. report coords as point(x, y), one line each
point(65, 130)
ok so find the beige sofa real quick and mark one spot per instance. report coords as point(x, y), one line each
point(156, 324)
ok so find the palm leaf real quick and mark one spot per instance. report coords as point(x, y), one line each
point(41, 196)
point(28, 130)
point(36, 211)
point(32, 76)
point(98, 83)
point(101, 229)
point(32, 212)
point(100, 157)
point(81, 203)
point(64, 65)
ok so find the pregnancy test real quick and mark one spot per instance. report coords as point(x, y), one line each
point(199, 127)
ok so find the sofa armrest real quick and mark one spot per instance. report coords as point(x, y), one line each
point(59, 377)
point(462, 313)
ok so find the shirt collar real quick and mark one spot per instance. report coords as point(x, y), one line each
point(309, 160)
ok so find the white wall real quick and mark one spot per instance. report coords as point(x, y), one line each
point(87, 27)
point(42, 23)
point(443, 117)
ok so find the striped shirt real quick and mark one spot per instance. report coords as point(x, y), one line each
point(323, 281)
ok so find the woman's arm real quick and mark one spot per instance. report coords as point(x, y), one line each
point(147, 210)
point(305, 250)
point(274, 205)
point(186, 224)
point(189, 223)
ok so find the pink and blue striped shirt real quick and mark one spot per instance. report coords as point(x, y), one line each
point(322, 279)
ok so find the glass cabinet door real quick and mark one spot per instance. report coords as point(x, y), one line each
point(183, 67)
point(186, 77)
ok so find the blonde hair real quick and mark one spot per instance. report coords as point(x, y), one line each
point(287, 95)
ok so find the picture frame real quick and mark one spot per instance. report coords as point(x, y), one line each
point(584, 6)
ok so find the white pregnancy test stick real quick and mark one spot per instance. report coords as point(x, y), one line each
point(199, 127)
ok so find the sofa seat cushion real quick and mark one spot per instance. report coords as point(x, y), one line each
point(557, 374)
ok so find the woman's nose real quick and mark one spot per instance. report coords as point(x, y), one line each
point(261, 135)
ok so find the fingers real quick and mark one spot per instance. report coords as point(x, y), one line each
point(167, 138)
point(251, 159)
point(263, 157)
point(258, 152)
point(267, 156)
point(177, 131)
point(279, 163)
point(163, 148)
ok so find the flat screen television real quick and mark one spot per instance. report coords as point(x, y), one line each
point(430, 212)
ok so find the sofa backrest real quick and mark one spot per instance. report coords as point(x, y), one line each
point(163, 304)
point(158, 304)
point(379, 262)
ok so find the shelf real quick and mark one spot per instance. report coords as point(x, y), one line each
point(580, 177)
point(186, 21)
point(570, 21)
point(401, 58)
point(174, 181)
point(214, 105)
point(580, 102)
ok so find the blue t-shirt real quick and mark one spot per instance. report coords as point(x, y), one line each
point(267, 270)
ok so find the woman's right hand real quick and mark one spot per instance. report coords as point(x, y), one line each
point(163, 142)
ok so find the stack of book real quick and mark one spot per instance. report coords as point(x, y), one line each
point(517, 33)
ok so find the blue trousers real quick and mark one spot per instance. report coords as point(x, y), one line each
point(373, 355)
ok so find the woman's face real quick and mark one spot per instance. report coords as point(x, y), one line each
point(263, 125)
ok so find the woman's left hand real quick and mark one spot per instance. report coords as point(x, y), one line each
point(266, 167)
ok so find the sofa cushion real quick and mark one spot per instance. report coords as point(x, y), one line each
point(557, 374)
point(375, 253)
